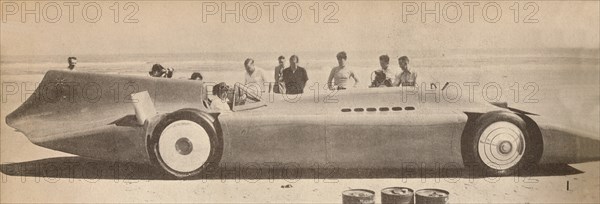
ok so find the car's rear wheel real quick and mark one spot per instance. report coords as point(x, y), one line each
point(185, 143)
point(500, 144)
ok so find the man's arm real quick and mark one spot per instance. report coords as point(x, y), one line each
point(284, 76)
point(262, 76)
point(330, 79)
point(304, 78)
point(396, 80)
point(355, 78)
point(276, 77)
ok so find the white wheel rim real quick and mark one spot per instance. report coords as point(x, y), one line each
point(184, 146)
point(501, 145)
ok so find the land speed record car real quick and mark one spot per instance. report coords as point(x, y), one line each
point(171, 125)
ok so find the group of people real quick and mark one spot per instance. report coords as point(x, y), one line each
point(386, 77)
point(292, 79)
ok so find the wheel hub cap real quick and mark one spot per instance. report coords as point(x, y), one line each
point(184, 146)
point(505, 147)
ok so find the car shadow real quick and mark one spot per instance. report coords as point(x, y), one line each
point(83, 168)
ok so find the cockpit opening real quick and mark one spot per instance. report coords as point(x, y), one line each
point(238, 98)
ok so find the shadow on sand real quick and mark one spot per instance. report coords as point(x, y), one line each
point(83, 168)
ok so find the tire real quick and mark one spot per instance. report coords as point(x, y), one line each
point(499, 144)
point(185, 143)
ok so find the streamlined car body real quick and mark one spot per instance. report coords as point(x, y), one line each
point(94, 115)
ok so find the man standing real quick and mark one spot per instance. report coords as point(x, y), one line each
point(383, 76)
point(339, 75)
point(254, 76)
point(72, 62)
point(294, 77)
point(407, 77)
point(278, 87)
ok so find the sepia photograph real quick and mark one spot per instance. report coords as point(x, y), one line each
point(307, 101)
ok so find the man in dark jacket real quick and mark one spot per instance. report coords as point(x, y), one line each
point(294, 77)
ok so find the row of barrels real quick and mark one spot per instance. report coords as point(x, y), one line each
point(396, 195)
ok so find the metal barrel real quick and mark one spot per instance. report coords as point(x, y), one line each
point(431, 196)
point(397, 195)
point(358, 196)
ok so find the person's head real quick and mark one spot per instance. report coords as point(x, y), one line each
point(341, 58)
point(196, 76)
point(72, 62)
point(157, 70)
point(281, 60)
point(220, 90)
point(403, 62)
point(294, 60)
point(384, 61)
point(249, 65)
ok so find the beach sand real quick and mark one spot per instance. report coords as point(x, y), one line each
point(32, 174)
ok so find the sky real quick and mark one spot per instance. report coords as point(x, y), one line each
point(197, 26)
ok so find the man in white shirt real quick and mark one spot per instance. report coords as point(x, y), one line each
point(254, 76)
point(407, 77)
point(341, 74)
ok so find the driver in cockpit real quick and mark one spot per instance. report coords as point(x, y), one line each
point(227, 98)
point(221, 102)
